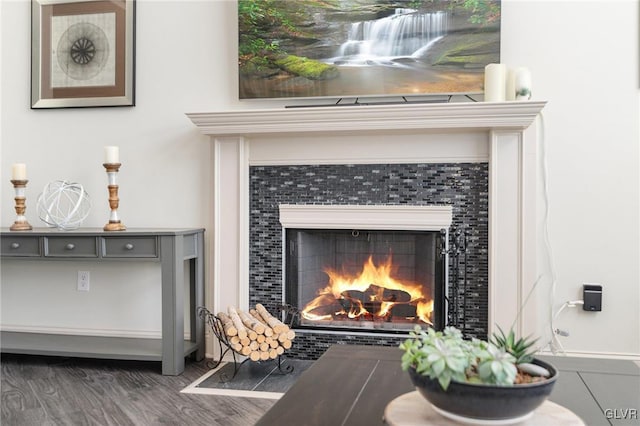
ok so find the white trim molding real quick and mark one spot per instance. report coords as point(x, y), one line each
point(367, 217)
point(465, 115)
point(502, 133)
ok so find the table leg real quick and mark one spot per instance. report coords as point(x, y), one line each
point(172, 260)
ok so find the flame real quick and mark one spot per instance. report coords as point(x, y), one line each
point(340, 296)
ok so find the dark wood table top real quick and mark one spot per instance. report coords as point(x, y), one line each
point(348, 385)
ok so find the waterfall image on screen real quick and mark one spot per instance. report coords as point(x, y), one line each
point(365, 48)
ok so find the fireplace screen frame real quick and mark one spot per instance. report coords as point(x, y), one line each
point(440, 282)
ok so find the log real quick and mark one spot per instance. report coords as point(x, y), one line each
point(261, 338)
point(277, 325)
point(291, 334)
point(273, 354)
point(280, 350)
point(252, 335)
point(246, 350)
point(274, 343)
point(233, 340)
point(245, 341)
point(286, 344)
point(254, 356)
point(282, 337)
point(227, 324)
point(264, 346)
point(251, 322)
point(236, 347)
point(233, 314)
point(254, 345)
point(264, 356)
point(267, 330)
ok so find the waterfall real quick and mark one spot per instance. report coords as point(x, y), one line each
point(405, 33)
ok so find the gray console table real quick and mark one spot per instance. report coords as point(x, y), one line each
point(170, 247)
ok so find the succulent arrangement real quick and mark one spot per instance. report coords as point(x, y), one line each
point(447, 356)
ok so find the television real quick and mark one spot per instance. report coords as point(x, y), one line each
point(365, 48)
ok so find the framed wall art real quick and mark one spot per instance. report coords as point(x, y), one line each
point(82, 53)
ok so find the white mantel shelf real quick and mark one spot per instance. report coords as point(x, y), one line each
point(463, 115)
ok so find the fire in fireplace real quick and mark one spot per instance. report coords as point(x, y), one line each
point(363, 280)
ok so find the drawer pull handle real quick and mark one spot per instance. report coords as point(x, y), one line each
point(15, 245)
point(70, 246)
point(128, 246)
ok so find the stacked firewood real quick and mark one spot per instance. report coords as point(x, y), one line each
point(256, 334)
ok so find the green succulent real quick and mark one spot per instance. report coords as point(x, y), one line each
point(497, 366)
point(521, 349)
point(446, 356)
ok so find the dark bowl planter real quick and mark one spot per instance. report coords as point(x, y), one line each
point(486, 402)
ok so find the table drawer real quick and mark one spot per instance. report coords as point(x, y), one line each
point(70, 246)
point(20, 246)
point(135, 247)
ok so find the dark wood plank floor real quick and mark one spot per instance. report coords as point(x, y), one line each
point(71, 391)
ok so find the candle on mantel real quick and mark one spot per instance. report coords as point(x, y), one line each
point(111, 154)
point(495, 82)
point(19, 171)
point(522, 84)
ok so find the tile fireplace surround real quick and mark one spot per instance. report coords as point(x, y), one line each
point(500, 134)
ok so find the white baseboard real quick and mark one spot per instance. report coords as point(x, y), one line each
point(586, 354)
point(101, 332)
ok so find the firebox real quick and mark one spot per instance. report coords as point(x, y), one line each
point(365, 280)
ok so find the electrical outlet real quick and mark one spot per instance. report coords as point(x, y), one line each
point(83, 280)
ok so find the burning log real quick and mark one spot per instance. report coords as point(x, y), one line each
point(324, 310)
point(354, 294)
point(404, 310)
point(384, 294)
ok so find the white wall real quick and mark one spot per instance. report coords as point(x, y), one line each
point(586, 66)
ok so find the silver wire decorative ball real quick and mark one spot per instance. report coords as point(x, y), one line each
point(63, 204)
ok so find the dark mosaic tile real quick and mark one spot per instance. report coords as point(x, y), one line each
point(464, 186)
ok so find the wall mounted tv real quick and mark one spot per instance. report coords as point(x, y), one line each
point(365, 48)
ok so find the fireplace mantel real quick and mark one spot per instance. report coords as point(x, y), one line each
point(440, 116)
point(506, 132)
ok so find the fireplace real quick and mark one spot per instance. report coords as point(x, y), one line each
point(501, 136)
point(365, 280)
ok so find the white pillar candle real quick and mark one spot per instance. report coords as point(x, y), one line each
point(522, 84)
point(495, 76)
point(19, 171)
point(111, 154)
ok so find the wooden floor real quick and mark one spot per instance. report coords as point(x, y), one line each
point(69, 391)
point(40, 390)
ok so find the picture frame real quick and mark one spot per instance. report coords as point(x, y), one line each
point(82, 53)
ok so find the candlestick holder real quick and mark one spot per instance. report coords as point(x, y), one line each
point(21, 223)
point(114, 223)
